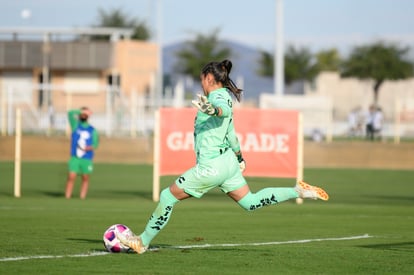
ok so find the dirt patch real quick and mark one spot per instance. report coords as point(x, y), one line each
point(42, 148)
point(362, 154)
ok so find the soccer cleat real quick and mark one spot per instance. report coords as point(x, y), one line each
point(132, 241)
point(307, 191)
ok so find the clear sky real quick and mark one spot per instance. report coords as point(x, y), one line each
point(317, 24)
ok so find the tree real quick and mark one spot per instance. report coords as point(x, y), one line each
point(379, 62)
point(202, 49)
point(328, 60)
point(266, 63)
point(116, 18)
point(299, 65)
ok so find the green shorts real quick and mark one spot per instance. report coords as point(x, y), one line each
point(223, 172)
point(80, 166)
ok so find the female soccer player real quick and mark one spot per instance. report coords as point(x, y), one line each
point(219, 160)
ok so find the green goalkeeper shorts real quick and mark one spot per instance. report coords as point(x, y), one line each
point(223, 172)
point(80, 166)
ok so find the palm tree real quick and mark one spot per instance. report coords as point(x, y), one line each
point(202, 49)
point(379, 62)
point(265, 64)
point(117, 18)
point(299, 65)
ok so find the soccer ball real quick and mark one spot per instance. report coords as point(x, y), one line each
point(111, 242)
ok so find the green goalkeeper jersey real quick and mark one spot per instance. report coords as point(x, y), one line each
point(213, 135)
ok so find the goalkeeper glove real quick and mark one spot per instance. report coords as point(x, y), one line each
point(205, 106)
point(242, 162)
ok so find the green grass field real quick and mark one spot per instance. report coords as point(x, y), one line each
point(367, 227)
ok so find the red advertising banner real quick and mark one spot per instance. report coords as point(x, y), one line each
point(268, 139)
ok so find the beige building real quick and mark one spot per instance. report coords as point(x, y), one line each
point(396, 98)
point(327, 104)
point(72, 72)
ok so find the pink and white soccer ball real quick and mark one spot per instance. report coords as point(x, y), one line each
point(111, 242)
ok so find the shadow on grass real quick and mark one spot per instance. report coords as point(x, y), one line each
point(215, 194)
point(122, 194)
point(402, 246)
point(101, 194)
point(53, 194)
point(85, 240)
point(141, 194)
point(394, 198)
point(400, 200)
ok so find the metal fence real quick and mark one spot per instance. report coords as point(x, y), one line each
point(118, 114)
point(113, 112)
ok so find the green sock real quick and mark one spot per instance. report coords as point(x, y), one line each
point(267, 196)
point(159, 217)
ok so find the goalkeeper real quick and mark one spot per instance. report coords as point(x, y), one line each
point(219, 161)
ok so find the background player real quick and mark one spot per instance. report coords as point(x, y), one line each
point(84, 141)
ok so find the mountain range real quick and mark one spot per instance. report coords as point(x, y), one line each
point(245, 65)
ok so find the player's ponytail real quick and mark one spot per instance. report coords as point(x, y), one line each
point(228, 83)
point(221, 71)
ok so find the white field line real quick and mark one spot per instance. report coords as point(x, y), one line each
point(102, 253)
point(272, 243)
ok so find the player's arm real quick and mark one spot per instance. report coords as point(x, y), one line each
point(223, 107)
point(95, 141)
point(218, 106)
point(235, 145)
point(73, 116)
point(232, 138)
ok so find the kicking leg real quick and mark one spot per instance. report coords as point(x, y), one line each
point(158, 220)
point(273, 195)
point(267, 196)
point(160, 217)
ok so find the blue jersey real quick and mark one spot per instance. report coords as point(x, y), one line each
point(82, 136)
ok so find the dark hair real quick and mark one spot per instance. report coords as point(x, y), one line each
point(221, 71)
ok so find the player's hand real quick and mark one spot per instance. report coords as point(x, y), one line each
point(89, 148)
point(242, 166)
point(242, 162)
point(87, 112)
point(204, 105)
